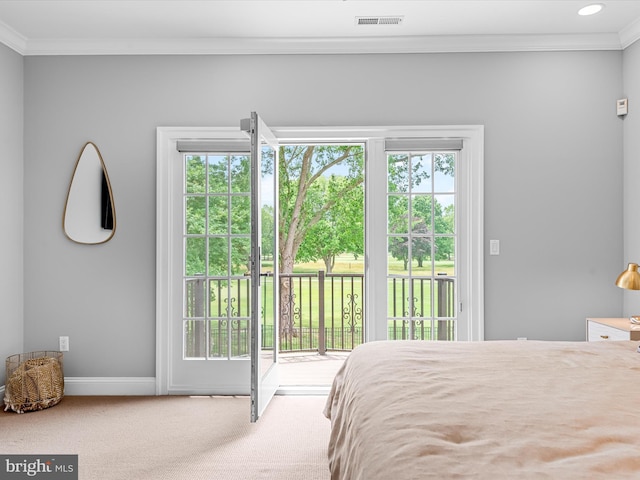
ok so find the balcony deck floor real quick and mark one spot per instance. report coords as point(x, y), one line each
point(309, 368)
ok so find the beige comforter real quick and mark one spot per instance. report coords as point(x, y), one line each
point(486, 410)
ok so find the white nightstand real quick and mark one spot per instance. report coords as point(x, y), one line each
point(600, 329)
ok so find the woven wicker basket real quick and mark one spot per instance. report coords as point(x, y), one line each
point(35, 381)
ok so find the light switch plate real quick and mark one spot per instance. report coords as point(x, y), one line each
point(494, 247)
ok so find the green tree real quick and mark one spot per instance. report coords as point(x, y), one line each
point(445, 244)
point(341, 228)
point(268, 235)
point(305, 204)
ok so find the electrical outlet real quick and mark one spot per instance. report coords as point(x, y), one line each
point(64, 344)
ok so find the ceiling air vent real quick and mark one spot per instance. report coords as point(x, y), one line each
point(379, 20)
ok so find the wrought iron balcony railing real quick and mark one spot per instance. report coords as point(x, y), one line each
point(318, 312)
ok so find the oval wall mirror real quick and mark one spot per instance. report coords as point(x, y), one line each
point(89, 212)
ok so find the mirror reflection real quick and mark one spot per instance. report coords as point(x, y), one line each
point(89, 212)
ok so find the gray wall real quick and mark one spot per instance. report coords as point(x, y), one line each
point(11, 204)
point(632, 169)
point(553, 175)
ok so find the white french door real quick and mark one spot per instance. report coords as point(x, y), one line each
point(265, 282)
point(423, 236)
point(216, 295)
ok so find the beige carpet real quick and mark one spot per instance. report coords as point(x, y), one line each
point(156, 438)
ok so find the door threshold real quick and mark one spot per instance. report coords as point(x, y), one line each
point(303, 390)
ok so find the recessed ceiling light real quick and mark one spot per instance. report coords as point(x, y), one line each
point(591, 9)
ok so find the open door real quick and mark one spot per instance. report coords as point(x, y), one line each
point(264, 264)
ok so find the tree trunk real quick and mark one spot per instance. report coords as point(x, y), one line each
point(329, 263)
point(287, 305)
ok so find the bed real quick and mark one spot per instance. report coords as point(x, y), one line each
point(496, 409)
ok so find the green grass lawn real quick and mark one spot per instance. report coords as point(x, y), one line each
point(343, 305)
point(307, 292)
point(348, 264)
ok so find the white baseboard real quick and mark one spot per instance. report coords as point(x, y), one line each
point(147, 386)
point(109, 385)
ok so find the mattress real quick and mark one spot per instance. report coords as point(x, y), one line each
point(497, 409)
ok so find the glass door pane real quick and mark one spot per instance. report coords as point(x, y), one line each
point(217, 236)
point(421, 245)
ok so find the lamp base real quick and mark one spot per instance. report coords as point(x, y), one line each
point(635, 319)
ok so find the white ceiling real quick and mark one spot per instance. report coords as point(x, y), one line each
point(51, 27)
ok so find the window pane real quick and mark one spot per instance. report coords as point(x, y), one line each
point(398, 173)
point(218, 338)
point(195, 178)
point(421, 329)
point(240, 256)
point(398, 214)
point(398, 329)
point(195, 256)
point(444, 209)
point(445, 330)
point(218, 215)
point(194, 339)
point(421, 297)
point(421, 260)
point(218, 297)
point(240, 338)
point(398, 262)
point(218, 174)
point(445, 255)
point(444, 174)
point(444, 296)
point(194, 305)
point(421, 173)
point(240, 214)
point(218, 263)
point(240, 304)
point(421, 214)
point(268, 240)
point(230, 297)
point(240, 174)
point(397, 301)
point(195, 215)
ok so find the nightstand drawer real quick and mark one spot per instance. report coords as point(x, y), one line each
point(600, 332)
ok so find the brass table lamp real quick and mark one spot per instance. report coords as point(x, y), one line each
point(630, 280)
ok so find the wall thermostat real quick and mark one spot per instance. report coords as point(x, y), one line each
point(621, 106)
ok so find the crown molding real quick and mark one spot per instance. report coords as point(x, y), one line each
point(12, 39)
point(293, 46)
point(630, 33)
